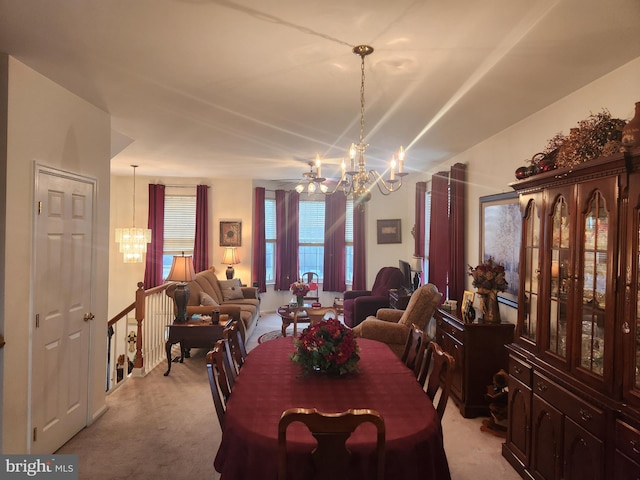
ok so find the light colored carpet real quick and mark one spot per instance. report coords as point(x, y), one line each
point(161, 427)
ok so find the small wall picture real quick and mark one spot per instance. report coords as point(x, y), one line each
point(230, 234)
point(389, 231)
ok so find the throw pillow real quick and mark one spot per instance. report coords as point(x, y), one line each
point(207, 300)
point(231, 289)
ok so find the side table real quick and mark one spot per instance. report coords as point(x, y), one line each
point(193, 334)
point(399, 299)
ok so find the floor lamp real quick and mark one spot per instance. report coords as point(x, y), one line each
point(182, 271)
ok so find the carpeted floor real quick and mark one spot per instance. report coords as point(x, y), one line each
point(161, 427)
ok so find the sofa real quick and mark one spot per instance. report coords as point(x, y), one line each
point(207, 293)
point(393, 326)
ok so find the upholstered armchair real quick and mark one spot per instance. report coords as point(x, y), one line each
point(359, 304)
point(393, 326)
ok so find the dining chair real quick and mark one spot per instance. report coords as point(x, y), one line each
point(436, 374)
point(220, 377)
point(413, 347)
point(311, 279)
point(331, 430)
point(236, 345)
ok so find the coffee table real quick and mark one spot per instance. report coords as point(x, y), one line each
point(293, 315)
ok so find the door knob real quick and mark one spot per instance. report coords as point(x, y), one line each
point(88, 316)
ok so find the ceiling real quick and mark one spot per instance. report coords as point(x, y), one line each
point(257, 88)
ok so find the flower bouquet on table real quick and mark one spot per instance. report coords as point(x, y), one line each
point(327, 347)
point(489, 276)
point(299, 288)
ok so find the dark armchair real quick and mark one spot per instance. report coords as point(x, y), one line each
point(359, 304)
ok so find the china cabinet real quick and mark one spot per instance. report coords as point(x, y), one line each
point(574, 365)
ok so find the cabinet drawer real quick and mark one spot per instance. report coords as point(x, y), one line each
point(450, 329)
point(628, 440)
point(520, 370)
point(584, 414)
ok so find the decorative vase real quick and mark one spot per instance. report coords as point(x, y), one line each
point(489, 306)
point(300, 300)
point(631, 131)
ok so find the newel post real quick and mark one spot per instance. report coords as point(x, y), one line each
point(138, 362)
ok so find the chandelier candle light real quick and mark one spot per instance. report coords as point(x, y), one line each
point(133, 241)
point(356, 180)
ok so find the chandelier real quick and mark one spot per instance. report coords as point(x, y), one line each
point(356, 180)
point(133, 241)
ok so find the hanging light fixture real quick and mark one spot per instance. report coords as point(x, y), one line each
point(313, 181)
point(356, 180)
point(133, 241)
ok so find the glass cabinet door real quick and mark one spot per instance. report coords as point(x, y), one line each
point(559, 278)
point(530, 272)
point(594, 286)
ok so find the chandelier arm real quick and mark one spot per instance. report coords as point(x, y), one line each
point(385, 187)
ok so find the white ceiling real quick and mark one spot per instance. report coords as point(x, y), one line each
point(257, 88)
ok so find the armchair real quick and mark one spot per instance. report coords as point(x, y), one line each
point(393, 326)
point(359, 304)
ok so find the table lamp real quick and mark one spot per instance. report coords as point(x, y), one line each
point(230, 258)
point(182, 271)
point(417, 270)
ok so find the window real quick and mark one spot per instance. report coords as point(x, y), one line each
point(270, 238)
point(311, 237)
point(179, 228)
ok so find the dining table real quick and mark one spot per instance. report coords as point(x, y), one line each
point(270, 383)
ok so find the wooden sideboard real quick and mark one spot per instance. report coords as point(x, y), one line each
point(479, 350)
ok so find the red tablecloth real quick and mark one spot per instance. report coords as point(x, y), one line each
point(269, 383)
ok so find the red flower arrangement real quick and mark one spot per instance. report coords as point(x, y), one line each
point(488, 276)
point(327, 346)
point(300, 288)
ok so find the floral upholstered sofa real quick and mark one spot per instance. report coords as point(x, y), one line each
point(207, 293)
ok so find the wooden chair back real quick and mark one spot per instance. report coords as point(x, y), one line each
point(236, 345)
point(220, 377)
point(436, 374)
point(322, 313)
point(331, 430)
point(413, 347)
point(311, 278)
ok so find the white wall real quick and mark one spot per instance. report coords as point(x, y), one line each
point(51, 126)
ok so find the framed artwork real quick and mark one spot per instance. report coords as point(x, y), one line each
point(389, 231)
point(467, 302)
point(230, 234)
point(500, 238)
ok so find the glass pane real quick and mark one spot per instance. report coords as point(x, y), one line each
point(596, 233)
point(530, 273)
point(559, 278)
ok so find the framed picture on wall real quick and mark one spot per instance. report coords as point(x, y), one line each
point(389, 231)
point(500, 238)
point(230, 234)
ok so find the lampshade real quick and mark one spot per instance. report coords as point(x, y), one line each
point(182, 269)
point(230, 256)
point(416, 264)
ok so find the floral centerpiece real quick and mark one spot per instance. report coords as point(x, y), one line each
point(327, 346)
point(489, 279)
point(300, 289)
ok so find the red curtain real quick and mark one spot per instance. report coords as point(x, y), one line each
point(439, 246)
point(153, 266)
point(359, 250)
point(458, 265)
point(287, 239)
point(259, 263)
point(293, 236)
point(418, 227)
point(335, 207)
point(201, 244)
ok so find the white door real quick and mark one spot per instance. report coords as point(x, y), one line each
point(62, 296)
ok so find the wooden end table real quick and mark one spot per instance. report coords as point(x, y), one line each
point(193, 334)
